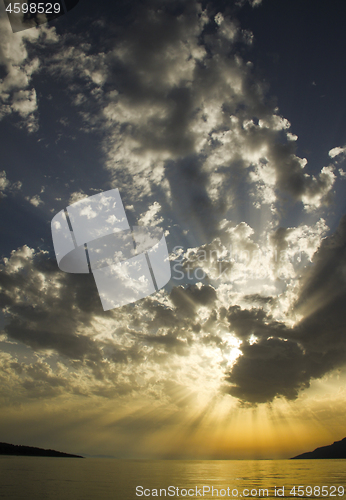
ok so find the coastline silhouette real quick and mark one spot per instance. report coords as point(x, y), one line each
point(335, 450)
point(31, 451)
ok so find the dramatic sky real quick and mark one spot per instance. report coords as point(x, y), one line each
point(223, 123)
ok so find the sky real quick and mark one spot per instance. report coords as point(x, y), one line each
point(223, 124)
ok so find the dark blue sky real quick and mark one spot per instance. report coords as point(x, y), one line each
point(299, 50)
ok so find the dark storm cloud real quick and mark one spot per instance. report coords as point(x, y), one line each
point(327, 278)
point(247, 322)
point(283, 360)
point(258, 298)
point(322, 302)
point(50, 310)
point(293, 179)
point(269, 368)
point(49, 317)
point(188, 300)
point(60, 313)
point(65, 343)
point(54, 313)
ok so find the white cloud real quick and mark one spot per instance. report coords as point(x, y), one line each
point(15, 92)
point(318, 191)
point(4, 183)
point(151, 216)
point(7, 186)
point(24, 102)
point(337, 151)
point(34, 200)
point(76, 196)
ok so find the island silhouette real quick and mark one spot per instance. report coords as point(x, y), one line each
point(31, 451)
point(335, 450)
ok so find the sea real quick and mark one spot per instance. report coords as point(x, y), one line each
point(45, 478)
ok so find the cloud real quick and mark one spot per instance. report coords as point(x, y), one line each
point(282, 360)
point(4, 183)
point(34, 293)
point(34, 200)
point(37, 380)
point(187, 300)
point(234, 257)
point(25, 104)
point(185, 123)
point(325, 280)
point(76, 196)
point(19, 65)
point(253, 3)
point(192, 142)
point(6, 186)
point(252, 353)
point(267, 369)
point(60, 318)
point(337, 151)
point(150, 217)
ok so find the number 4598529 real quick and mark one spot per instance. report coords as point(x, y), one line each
point(40, 8)
point(315, 491)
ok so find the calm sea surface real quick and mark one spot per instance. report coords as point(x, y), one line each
point(36, 478)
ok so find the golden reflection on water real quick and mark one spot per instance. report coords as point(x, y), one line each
point(36, 478)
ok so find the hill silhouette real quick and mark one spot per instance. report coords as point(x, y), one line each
point(335, 450)
point(30, 451)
